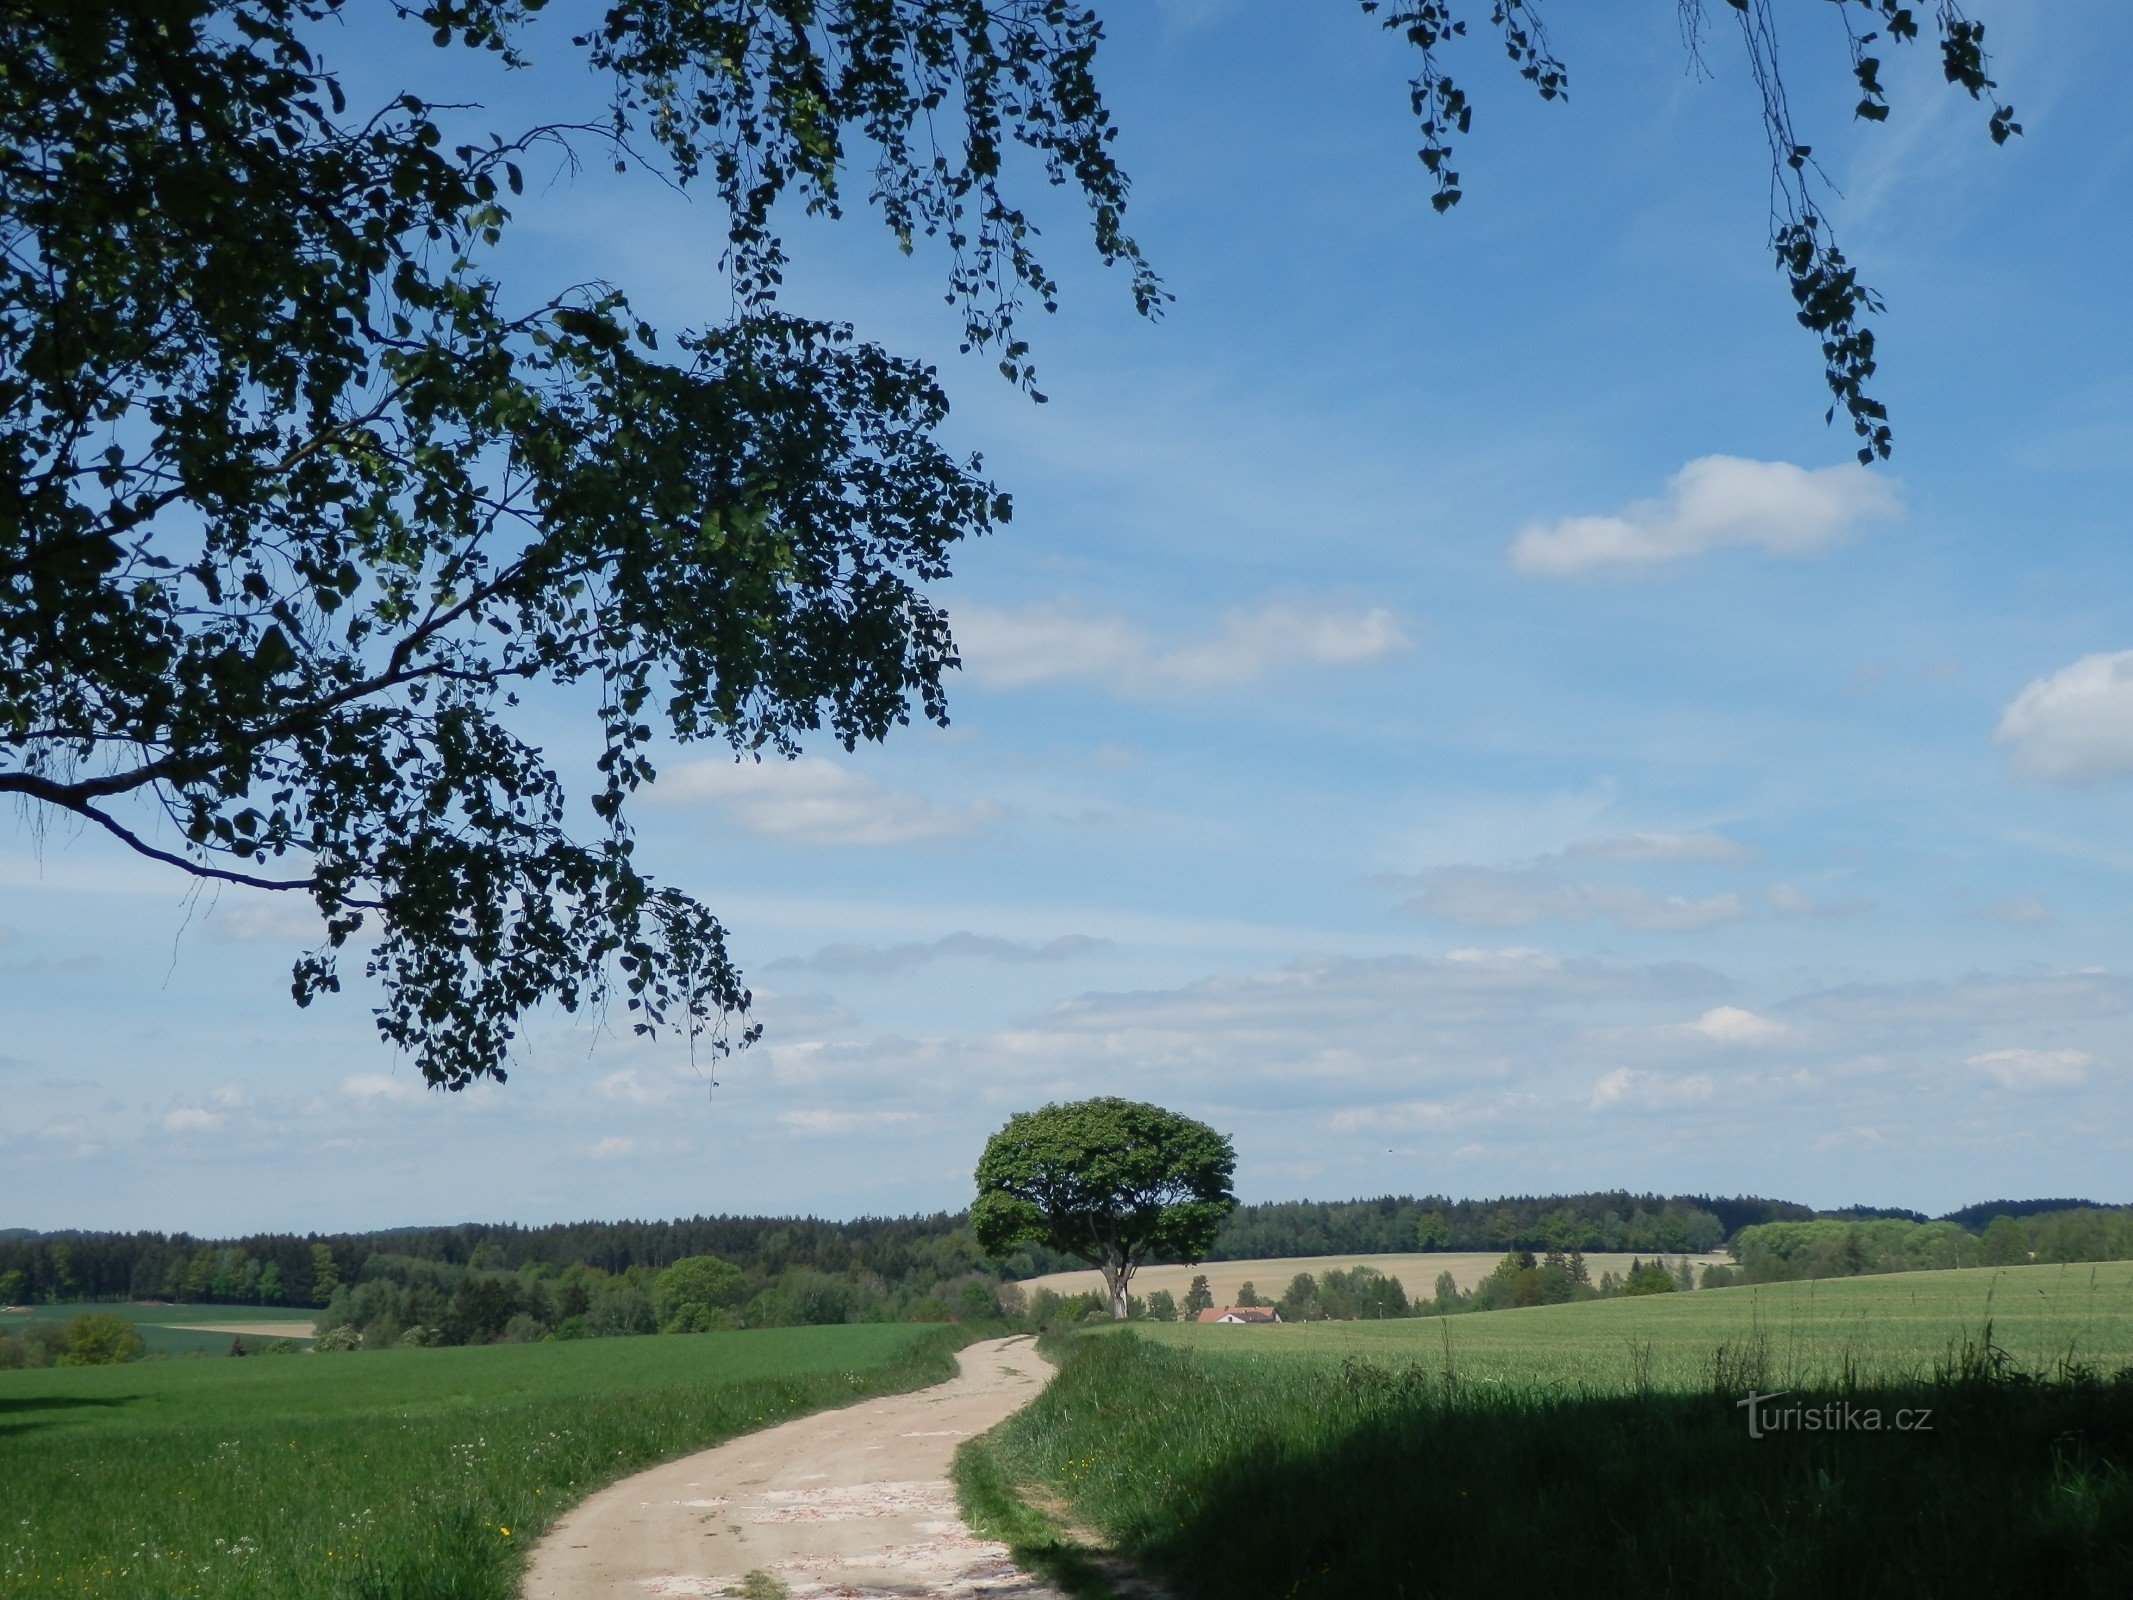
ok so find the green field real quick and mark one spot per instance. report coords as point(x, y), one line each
point(154, 1321)
point(387, 1475)
point(1600, 1448)
point(1893, 1326)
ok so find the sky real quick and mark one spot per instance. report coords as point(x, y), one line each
point(1446, 711)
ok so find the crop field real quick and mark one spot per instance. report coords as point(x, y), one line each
point(1602, 1448)
point(1887, 1327)
point(387, 1475)
point(1416, 1270)
point(171, 1330)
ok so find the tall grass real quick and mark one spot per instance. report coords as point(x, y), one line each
point(395, 1475)
point(1341, 1479)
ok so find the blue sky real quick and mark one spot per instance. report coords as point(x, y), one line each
point(1446, 710)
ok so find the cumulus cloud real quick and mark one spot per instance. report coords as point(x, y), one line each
point(1713, 502)
point(1732, 1025)
point(823, 1121)
point(1628, 1088)
point(2034, 1069)
point(810, 800)
point(1058, 641)
point(1518, 897)
point(1355, 1045)
point(2075, 726)
point(867, 960)
point(191, 1119)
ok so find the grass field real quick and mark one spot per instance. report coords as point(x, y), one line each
point(1892, 1326)
point(1416, 1270)
point(388, 1475)
point(1600, 1449)
point(159, 1325)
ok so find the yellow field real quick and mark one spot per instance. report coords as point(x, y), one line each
point(1416, 1270)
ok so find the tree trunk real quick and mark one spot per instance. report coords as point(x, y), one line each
point(1116, 1276)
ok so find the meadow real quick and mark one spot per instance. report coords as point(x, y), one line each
point(174, 1330)
point(386, 1475)
point(1890, 1327)
point(1600, 1448)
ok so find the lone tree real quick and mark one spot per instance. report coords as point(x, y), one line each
point(1111, 1181)
point(698, 1294)
point(297, 496)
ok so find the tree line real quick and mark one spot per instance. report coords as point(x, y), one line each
point(883, 1263)
point(1779, 1252)
point(306, 1270)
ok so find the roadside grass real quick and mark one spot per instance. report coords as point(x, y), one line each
point(387, 1475)
point(1622, 1467)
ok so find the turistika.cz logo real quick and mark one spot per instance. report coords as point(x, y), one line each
point(1831, 1416)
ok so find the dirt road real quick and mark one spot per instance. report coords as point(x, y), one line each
point(849, 1503)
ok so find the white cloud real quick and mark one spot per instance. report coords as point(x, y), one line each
point(875, 960)
point(1631, 1089)
point(279, 921)
point(1059, 641)
point(813, 801)
point(191, 1119)
point(641, 1086)
point(2075, 726)
point(1399, 1117)
point(1661, 847)
point(1518, 897)
point(823, 1121)
point(2034, 1069)
point(1732, 1025)
point(379, 1088)
point(1713, 502)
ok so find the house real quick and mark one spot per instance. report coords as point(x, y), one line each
point(1239, 1314)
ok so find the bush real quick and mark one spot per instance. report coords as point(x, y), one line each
point(337, 1339)
point(100, 1339)
point(1648, 1277)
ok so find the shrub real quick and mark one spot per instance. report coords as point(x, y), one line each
point(100, 1339)
point(337, 1339)
point(1648, 1277)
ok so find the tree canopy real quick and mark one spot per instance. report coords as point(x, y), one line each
point(1114, 1182)
point(298, 496)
